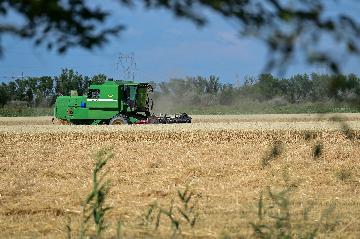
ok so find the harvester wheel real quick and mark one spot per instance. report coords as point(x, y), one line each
point(118, 120)
point(60, 122)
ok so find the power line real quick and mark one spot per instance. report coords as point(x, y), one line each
point(22, 77)
point(13, 77)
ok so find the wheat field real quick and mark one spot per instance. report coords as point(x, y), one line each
point(46, 172)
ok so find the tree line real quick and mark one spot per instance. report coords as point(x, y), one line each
point(300, 88)
point(42, 91)
point(195, 91)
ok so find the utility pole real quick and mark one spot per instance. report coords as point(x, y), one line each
point(128, 65)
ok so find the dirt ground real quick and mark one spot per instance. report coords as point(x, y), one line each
point(46, 172)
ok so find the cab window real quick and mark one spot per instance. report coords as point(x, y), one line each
point(129, 93)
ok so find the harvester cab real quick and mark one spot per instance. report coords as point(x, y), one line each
point(113, 102)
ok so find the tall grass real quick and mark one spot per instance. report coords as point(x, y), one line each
point(277, 218)
point(180, 214)
point(275, 151)
point(94, 208)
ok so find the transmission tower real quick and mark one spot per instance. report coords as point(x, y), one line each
point(128, 65)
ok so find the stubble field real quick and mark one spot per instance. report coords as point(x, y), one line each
point(227, 161)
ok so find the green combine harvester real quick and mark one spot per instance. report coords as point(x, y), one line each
point(113, 102)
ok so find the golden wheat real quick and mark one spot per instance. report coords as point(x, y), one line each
point(277, 118)
point(46, 171)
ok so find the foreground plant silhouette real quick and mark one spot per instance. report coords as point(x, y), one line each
point(179, 215)
point(94, 207)
point(277, 220)
point(275, 217)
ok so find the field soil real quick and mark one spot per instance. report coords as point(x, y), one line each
point(227, 161)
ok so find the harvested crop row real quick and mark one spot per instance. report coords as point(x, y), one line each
point(220, 135)
point(46, 120)
point(263, 126)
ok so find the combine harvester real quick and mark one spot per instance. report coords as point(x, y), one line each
point(113, 103)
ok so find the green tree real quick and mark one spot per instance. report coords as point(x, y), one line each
point(12, 90)
point(164, 89)
point(320, 87)
point(268, 86)
point(227, 95)
point(353, 86)
point(299, 88)
point(177, 88)
point(69, 80)
point(338, 86)
point(4, 95)
point(213, 85)
point(200, 84)
point(20, 90)
point(44, 92)
point(98, 79)
point(57, 23)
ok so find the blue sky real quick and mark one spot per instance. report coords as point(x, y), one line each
point(164, 48)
